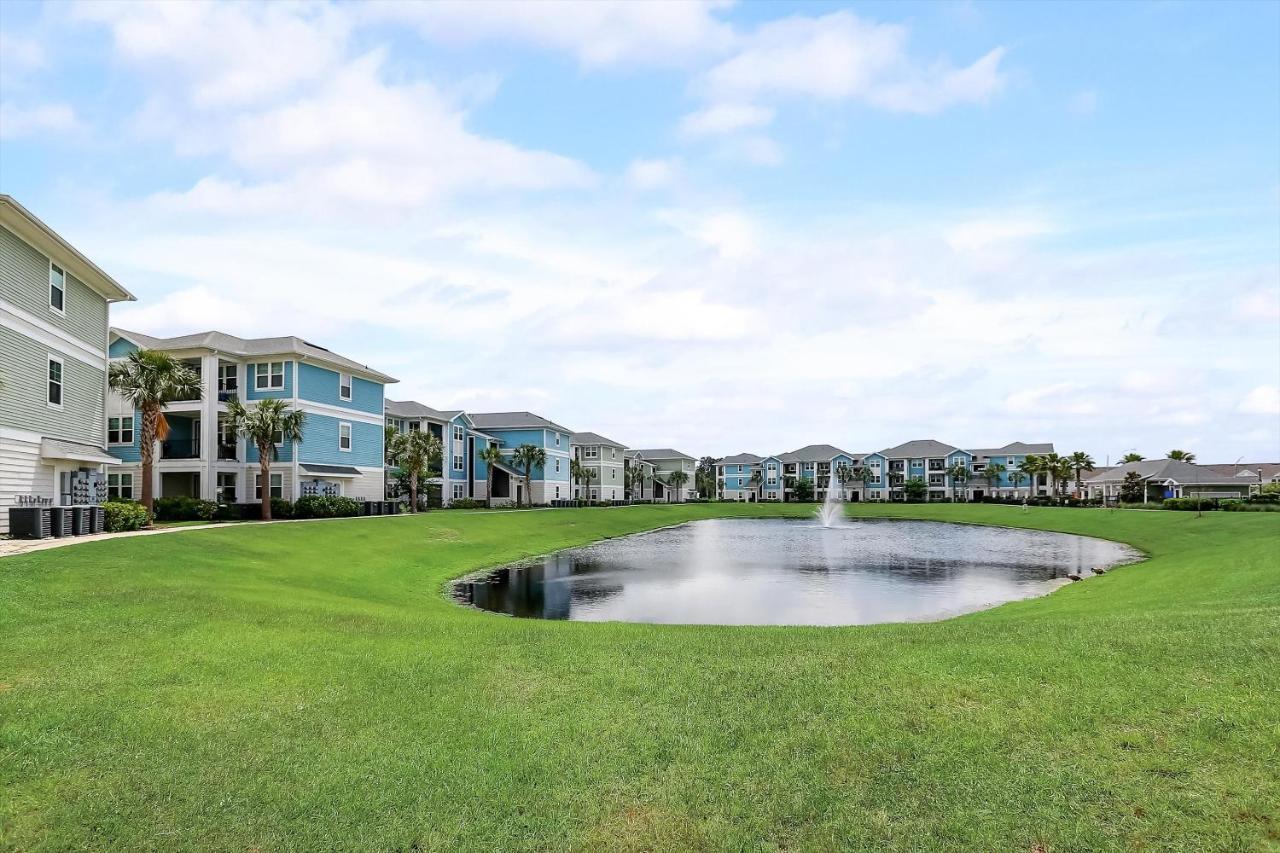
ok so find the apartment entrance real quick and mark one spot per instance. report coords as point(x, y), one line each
point(179, 484)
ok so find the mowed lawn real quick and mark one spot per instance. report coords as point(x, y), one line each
point(309, 686)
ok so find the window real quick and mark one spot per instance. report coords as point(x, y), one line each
point(120, 430)
point(557, 439)
point(226, 487)
point(613, 453)
point(595, 495)
point(457, 461)
point(457, 433)
point(57, 289)
point(457, 491)
point(415, 426)
point(268, 376)
point(55, 382)
point(228, 377)
point(344, 386)
point(277, 486)
point(344, 437)
point(120, 486)
point(590, 452)
point(557, 466)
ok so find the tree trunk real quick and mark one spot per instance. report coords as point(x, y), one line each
point(413, 491)
point(147, 448)
point(264, 464)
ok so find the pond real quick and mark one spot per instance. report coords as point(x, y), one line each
point(792, 572)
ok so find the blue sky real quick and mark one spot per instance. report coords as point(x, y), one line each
point(714, 226)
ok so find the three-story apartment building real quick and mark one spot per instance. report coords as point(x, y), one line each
point(341, 451)
point(736, 477)
point(606, 460)
point(54, 305)
point(548, 482)
point(666, 461)
point(463, 474)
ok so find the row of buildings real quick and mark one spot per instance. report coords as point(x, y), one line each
point(65, 438)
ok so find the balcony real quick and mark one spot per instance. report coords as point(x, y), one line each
point(226, 395)
point(227, 453)
point(182, 449)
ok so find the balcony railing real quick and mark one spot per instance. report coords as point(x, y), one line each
point(227, 453)
point(226, 396)
point(181, 449)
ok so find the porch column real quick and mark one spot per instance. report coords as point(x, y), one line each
point(209, 426)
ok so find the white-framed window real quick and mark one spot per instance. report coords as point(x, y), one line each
point(457, 432)
point(344, 386)
point(590, 452)
point(277, 438)
point(557, 466)
point(457, 461)
point(120, 486)
point(557, 491)
point(613, 454)
point(226, 487)
point(415, 426)
point(277, 486)
point(595, 495)
point(228, 377)
point(344, 437)
point(458, 491)
point(268, 376)
point(54, 395)
point(120, 430)
point(57, 289)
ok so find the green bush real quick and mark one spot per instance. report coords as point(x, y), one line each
point(229, 512)
point(466, 503)
point(124, 515)
point(1190, 504)
point(184, 509)
point(1250, 506)
point(280, 508)
point(322, 506)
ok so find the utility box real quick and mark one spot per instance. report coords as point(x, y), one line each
point(79, 520)
point(97, 519)
point(60, 516)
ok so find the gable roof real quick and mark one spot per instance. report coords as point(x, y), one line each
point(514, 420)
point(1247, 470)
point(247, 347)
point(742, 459)
point(31, 229)
point(813, 453)
point(662, 453)
point(918, 449)
point(594, 438)
point(414, 409)
point(1015, 448)
point(1164, 469)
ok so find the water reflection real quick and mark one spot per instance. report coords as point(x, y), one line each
point(783, 572)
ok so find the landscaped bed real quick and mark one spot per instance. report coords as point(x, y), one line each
point(311, 686)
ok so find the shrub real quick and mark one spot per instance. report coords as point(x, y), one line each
point(229, 512)
point(322, 506)
point(466, 503)
point(1250, 506)
point(185, 509)
point(1190, 504)
point(280, 508)
point(124, 515)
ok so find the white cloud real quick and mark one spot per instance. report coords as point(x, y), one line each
point(652, 174)
point(842, 57)
point(40, 120)
point(975, 235)
point(598, 34)
point(724, 118)
point(1263, 400)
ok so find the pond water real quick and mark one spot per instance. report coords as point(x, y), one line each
point(792, 572)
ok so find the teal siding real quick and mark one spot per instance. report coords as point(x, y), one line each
point(320, 442)
point(320, 385)
point(247, 379)
point(129, 452)
point(120, 348)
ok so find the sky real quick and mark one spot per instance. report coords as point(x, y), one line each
point(715, 227)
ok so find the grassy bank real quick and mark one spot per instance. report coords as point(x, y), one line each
point(308, 686)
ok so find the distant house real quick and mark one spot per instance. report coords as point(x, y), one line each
point(606, 460)
point(341, 452)
point(53, 367)
point(1169, 478)
point(734, 477)
point(1007, 484)
point(666, 461)
point(512, 429)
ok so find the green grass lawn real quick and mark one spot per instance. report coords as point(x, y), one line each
point(309, 686)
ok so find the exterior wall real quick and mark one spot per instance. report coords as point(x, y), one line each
point(24, 397)
point(321, 385)
point(320, 442)
point(24, 282)
point(22, 471)
point(248, 372)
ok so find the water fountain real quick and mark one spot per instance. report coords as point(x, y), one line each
point(831, 513)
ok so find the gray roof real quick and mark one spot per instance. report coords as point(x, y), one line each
point(514, 420)
point(1247, 470)
point(1164, 469)
point(594, 438)
point(1015, 448)
point(412, 409)
point(918, 449)
point(662, 453)
point(232, 345)
point(813, 453)
point(332, 470)
point(742, 459)
point(57, 448)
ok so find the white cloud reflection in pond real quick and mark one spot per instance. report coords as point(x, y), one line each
point(792, 572)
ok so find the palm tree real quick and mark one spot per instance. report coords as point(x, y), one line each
point(269, 420)
point(843, 476)
point(992, 474)
point(527, 457)
point(757, 482)
point(1080, 462)
point(583, 474)
point(1034, 466)
point(676, 480)
point(1022, 472)
point(959, 474)
point(490, 456)
point(1180, 456)
point(704, 477)
point(1131, 457)
point(413, 453)
point(150, 380)
point(637, 476)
